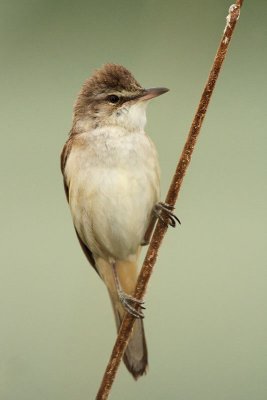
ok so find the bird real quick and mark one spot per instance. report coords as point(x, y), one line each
point(111, 178)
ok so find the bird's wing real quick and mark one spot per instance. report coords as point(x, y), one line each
point(63, 160)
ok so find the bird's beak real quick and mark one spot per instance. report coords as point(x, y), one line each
point(148, 94)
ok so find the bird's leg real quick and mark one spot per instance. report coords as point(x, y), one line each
point(158, 213)
point(164, 212)
point(149, 230)
point(129, 302)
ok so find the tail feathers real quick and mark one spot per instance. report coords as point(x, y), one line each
point(135, 357)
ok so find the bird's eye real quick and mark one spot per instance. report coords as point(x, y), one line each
point(113, 98)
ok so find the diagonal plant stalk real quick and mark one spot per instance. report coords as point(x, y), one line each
point(161, 228)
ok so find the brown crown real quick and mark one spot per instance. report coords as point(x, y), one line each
point(110, 76)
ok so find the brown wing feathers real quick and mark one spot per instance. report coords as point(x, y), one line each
point(63, 160)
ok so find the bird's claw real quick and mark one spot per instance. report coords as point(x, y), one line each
point(164, 208)
point(129, 302)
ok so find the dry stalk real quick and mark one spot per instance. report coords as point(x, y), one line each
point(160, 230)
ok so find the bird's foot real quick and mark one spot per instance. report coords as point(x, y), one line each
point(129, 302)
point(162, 210)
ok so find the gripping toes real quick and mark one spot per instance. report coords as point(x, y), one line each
point(163, 208)
point(130, 302)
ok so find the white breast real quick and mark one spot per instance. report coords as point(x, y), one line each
point(113, 180)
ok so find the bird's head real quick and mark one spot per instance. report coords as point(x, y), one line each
point(112, 96)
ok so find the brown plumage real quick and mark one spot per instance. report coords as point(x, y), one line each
point(110, 78)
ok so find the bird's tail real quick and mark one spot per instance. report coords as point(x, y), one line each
point(135, 356)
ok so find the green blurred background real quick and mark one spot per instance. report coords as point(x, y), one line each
point(206, 319)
